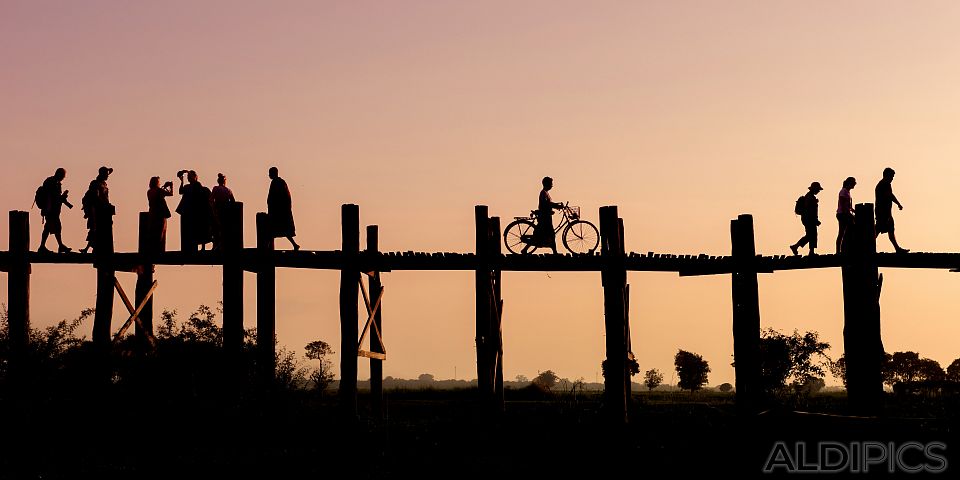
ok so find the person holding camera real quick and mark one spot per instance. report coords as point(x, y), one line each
point(159, 213)
point(50, 199)
point(194, 210)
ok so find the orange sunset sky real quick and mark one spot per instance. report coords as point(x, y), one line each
point(684, 114)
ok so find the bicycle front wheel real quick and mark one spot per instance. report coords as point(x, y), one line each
point(581, 237)
point(517, 235)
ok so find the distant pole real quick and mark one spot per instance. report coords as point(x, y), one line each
point(349, 291)
point(266, 301)
point(614, 277)
point(862, 342)
point(147, 247)
point(746, 315)
point(376, 365)
point(485, 372)
point(106, 274)
point(231, 221)
point(496, 317)
point(18, 294)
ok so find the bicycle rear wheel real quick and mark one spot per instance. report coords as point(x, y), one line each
point(517, 235)
point(581, 237)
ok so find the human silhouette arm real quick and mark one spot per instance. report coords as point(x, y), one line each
point(63, 199)
point(894, 198)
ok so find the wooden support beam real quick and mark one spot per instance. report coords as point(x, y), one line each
point(231, 221)
point(18, 294)
point(614, 278)
point(496, 314)
point(266, 302)
point(106, 276)
point(147, 244)
point(349, 286)
point(746, 315)
point(376, 341)
point(862, 343)
point(485, 342)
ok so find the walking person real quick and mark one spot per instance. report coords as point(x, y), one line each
point(808, 206)
point(159, 212)
point(543, 233)
point(280, 208)
point(884, 208)
point(51, 198)
point(220, 196)
point(194, 210)
point(96, 202)
point(845, 211)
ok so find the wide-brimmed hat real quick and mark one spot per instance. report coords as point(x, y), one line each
point(816, 186)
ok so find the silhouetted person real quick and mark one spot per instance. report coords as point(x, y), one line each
point(845, 211)
point(280, 208)
point(96, 202)
point(543, 233)
point(159, 213)
point(884, 208)
point(194, 210)
point(219, 198)
point(809, 217)
point(51, 200)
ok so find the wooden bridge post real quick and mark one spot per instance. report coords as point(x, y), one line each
point(18, 294)
point(147, 243)
point(862, 342)
point(496, 315)
point(376, 365)
point(485, 367)
point(266, 301)
point(349, 291)
point(106, 277)
point(614, 277)
point(746, 315)
point(231, 220)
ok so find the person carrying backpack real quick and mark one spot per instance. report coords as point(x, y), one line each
point(50, 199)
point(808, 207)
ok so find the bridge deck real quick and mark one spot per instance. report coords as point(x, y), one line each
point(685, 265)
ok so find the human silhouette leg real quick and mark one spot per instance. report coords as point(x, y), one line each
point(295, 245)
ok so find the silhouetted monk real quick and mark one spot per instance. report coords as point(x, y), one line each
point(219, 198)
point(194, 210)
point(159, 213)
point(845, 210)
point(884, 208)
point(96, 202)
point(50, 200)
point(543, 233)
point(280, 208)
point(809, 217)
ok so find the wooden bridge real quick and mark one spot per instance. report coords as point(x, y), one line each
point(859, 264)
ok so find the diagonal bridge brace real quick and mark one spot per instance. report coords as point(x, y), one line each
point(135, 312)
point(371, 313)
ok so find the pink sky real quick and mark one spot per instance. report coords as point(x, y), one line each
point(685, 114)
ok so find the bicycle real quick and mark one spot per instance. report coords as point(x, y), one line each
point(579, 236)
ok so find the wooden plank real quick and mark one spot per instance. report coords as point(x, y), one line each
point(372, 355)
point(18, 298)
point(349, 283)
point(232, 227)
point(266, 303)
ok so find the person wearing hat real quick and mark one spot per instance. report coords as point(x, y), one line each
point(884, 205)
point(96, 202)
point(809, 207)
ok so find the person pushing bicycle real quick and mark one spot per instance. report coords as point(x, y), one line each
point(544, 235)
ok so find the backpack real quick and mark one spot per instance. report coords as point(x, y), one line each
point(42, 199)
point(801, 206)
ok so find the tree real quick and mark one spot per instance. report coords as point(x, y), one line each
point(839, 369)
point(692, 370)
point(799, 359)
point(909, 367)
point(425, 378)
point(546, 380)
point(322, 377)
point(522, 379)
point(953, 371)
point(725, 387)
point(652, 379)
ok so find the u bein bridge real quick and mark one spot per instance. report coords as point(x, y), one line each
point(859, 264)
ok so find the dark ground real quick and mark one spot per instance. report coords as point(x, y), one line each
point(430, 434)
